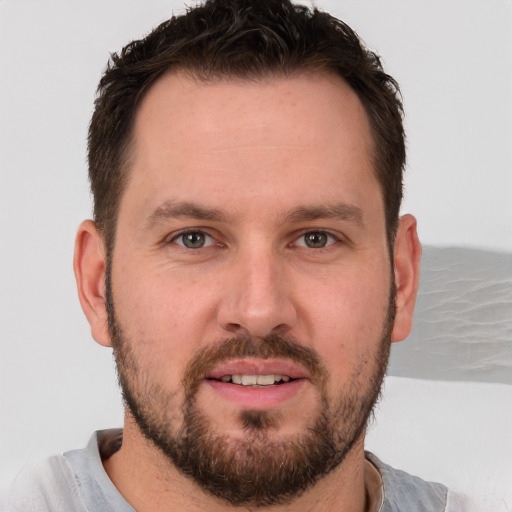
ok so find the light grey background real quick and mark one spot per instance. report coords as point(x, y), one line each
point(453, 59)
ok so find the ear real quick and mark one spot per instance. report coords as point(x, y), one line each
point(407, 257)
point(89, 264)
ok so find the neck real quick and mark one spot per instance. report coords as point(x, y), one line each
point(150, 483)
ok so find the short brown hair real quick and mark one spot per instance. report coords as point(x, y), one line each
point(245, 39)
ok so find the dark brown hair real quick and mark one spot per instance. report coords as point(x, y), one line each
point(243, 39)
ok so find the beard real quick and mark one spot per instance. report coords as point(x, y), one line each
point(260, 469)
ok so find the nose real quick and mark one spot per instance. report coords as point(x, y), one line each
point(257, 297)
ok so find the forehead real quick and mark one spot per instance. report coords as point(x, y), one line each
point(299, 133)
point(179, 105)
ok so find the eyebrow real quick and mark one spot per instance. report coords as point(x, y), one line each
point(172, 209)
point(338, 211)
point(175, 209)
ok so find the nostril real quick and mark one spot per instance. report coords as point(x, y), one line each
point(233, 327)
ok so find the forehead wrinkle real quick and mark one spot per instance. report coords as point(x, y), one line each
point(175, 209)
point(259, 147)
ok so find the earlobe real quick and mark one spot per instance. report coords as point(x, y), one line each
point(407, 257)
point(89, 265)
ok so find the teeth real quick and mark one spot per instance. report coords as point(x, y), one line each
point(249, 380)
point(255, 380)
point(265, 380)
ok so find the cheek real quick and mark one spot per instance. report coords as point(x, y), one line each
point(163, 318)
point(348, 325)
point(156, 299)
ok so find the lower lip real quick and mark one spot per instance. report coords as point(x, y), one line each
point(256, 399)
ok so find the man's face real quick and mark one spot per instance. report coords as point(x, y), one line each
point(251, 279)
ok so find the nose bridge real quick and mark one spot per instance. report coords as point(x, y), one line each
point(257, 301)
point(262, 280)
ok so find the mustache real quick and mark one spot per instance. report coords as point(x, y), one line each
point(268, 347)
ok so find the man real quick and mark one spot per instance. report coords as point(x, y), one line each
point(249, 268)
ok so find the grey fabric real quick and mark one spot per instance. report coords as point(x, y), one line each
point(405, 492)
point(73, 482)
point(97, 490)
point(47, 487)
point(77, 482)
point(463, 320)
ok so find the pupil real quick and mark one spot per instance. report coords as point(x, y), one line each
point(193, 240)
point(316, 240)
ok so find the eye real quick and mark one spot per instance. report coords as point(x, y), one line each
point(316, 240)
point(194, 240)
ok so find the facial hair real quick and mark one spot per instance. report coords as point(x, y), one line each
point(257, 470)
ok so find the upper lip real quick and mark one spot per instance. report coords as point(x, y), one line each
point(253, 366)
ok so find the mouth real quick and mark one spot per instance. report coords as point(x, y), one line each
point(256, 381)
point(257, 384)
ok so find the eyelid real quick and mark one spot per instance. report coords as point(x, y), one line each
point(300, 236)
point(174, 237)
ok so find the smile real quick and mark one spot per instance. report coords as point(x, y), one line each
point(255, 380)
point(257, 384)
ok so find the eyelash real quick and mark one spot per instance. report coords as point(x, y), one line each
point(301, 236)
point(176, 236)
point(334, 238)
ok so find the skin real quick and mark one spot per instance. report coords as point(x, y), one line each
point(255, 153)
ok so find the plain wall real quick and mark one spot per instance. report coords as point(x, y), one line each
point(453, 59)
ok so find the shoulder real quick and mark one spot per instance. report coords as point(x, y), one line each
point(73, 482)
point(402, 491)
point(48, 486)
